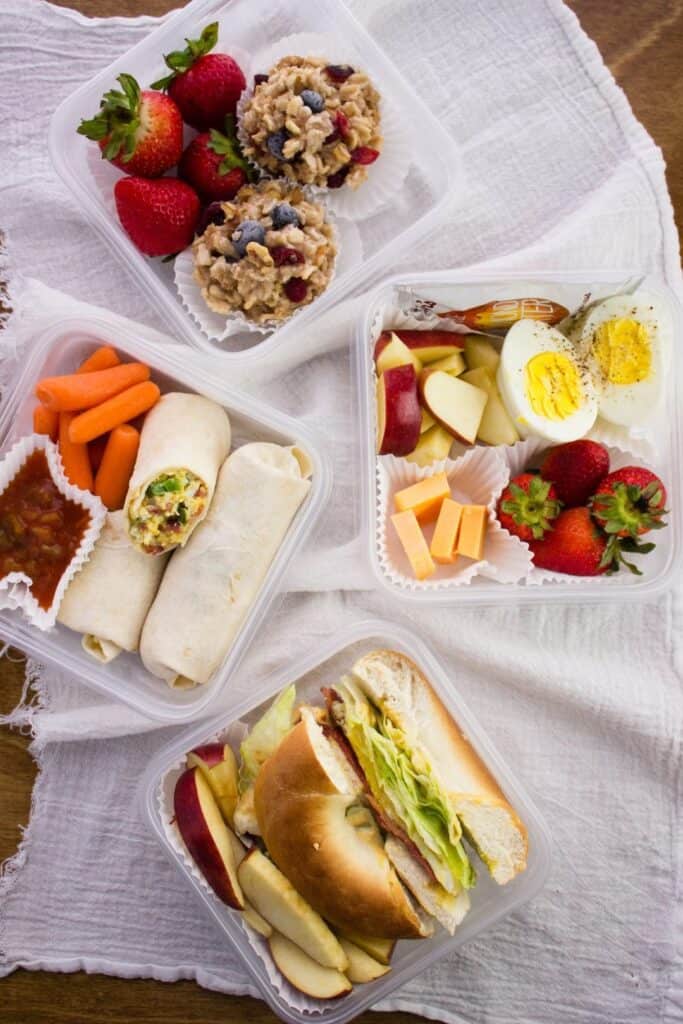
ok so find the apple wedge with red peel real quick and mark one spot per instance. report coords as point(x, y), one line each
point(397, 354)
point(428, 346)
point(362, 967)
point(379, 949)
point(306, 974)
point(206, 836)
point(399, 415)
point(218, 765)
point(274, 897)
point(453, 403)
point(255, 921)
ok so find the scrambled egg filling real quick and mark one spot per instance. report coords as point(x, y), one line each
point(171, 505)
point(622, 349)
point(553, 386)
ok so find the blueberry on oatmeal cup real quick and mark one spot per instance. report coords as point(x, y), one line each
point(313, 122)
point(265, 253)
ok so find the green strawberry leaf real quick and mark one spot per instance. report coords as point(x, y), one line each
point(180, 61)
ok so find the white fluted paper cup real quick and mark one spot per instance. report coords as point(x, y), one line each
point(15, 587)
point(476, 478)
point(233, 736)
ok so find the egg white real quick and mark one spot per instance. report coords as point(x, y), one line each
point(630, 404)
point(526, 339)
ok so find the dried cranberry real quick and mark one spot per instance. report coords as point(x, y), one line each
point(296, 289)
point(337, 179)
point(364, 155)
point(339, 72)
point(283, 255)
point(259, 79)
point(341, 127)
point(211, 214)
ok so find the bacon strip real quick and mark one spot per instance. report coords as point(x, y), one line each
point(334, 732)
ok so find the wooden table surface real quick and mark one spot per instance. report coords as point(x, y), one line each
point(642, 44)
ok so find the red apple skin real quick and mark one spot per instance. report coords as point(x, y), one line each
point(199, 841)
point(415, 340)
point(403, 415)
point(211, 753)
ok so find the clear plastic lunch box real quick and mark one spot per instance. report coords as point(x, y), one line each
point(434, 179)
point(490, 902)
point(60, 349)
point(460, 289)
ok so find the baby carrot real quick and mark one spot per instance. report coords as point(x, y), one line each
point(77, 391)
point(96, 451)
point(102, 358)
point(114, 412)
point(46, 422)
point(74, 456)
point(111, 482)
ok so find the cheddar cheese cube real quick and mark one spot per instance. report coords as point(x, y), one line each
point(445, 533)
point(414, 544)
point(472, 533)
point(424, 498)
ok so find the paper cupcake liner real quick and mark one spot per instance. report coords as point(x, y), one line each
point(637, 441)
point(478, 478)
point(220, 326)
point(527, 455)
point(233, 735)
point(388, 172)
point(15, 588)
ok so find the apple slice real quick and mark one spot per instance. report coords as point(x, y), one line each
point(276, 899)
point(434, 445)
point(362, 967)
point(454, 364)
point(396, 354)
point(258, 923)
point(306, 974)
point(427, 345)
point(455, 404)
point(218, 765)
point(481, 352)
point(496, 427)
point(207, 837)
point(398, 411)
point(427, 421)
point(378, 949)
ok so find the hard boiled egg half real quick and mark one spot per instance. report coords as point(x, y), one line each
point(545, 387)
point(626, 342)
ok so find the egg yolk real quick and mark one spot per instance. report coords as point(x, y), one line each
point(623, 352)
point(553, 386)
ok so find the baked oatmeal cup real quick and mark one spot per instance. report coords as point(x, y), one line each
point(272, 253)
point(313, 122)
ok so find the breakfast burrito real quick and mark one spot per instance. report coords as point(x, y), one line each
point(183, 443)
point(211, 584)
point(109, 598)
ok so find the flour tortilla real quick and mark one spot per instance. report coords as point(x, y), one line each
point(210, 585)
point(182, 431)
point(109, 598)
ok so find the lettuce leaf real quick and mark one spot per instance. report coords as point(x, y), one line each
point(403, 782)
point(266, 735)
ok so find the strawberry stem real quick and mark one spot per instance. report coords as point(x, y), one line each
point(180, 61)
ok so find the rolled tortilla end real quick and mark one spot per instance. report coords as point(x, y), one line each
point(101, 650)
point(184, 441)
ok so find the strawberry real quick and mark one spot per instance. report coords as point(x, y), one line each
point(206, 86)
point(528, 506)
point(575, 545)
point(575, 469)
point(158, 215)
point(214, 165)
point(139, 132)
point(629, 502)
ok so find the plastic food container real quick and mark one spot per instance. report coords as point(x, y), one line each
point(490, 902)
point(659, 448)
point(59, 350)
point(246, 27)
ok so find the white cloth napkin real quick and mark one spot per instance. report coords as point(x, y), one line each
point(585, 703)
